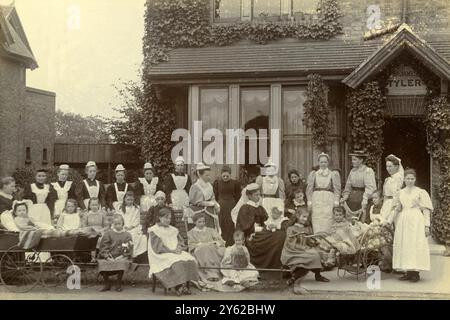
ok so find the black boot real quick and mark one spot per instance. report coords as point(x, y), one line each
point(119, 281)
point(406, 276)
point(414, 276)
point(106, 282)
point(320, 277)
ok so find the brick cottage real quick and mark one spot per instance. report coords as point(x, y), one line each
point(27, 126)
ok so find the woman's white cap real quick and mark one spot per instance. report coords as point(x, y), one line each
point(201, 166)
point(64, 167)
point(253, 186)
point(120, 168)
point(91, 164)
point(179, 160)
point(148, 165)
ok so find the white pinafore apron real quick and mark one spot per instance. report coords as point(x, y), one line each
point(269, 191)
point(92, 190)
point(119, 195)
point(39, 211)
point(148, 198)
point(179, 197)
point(63, 194)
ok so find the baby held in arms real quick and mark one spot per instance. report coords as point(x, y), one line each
point(275, 219)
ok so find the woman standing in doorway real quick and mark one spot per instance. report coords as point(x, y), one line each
point(392, 184)
point(413, 208)
point(227, 192)
point(323, 192)
point(360, 185)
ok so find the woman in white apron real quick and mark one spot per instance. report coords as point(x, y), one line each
point(64, 189)
point(392, 185)
point(146, 187)
point(272, 188)
point(323, 192)
point(177, 186)
point(90, 188)
point(43, 197)
point(201, 196)
point(116, 191)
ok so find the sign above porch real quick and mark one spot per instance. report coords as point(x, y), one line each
point(404, 81)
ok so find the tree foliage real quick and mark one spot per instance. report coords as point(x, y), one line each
point(75, 128)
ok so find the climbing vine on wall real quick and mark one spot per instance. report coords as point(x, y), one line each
point(437, 121)
point(317, 112)
point(366, 110)
point(187, 23)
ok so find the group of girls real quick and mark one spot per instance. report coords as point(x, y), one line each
point(266, 225)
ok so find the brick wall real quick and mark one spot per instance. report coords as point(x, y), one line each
point(424, 16)
point(39, 124)
point(12, 92)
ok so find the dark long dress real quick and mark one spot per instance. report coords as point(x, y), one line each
point(265, 246)
point(227, 194)
point(5, 203)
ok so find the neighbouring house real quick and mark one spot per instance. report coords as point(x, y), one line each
point(27, 129)
point(246, 84)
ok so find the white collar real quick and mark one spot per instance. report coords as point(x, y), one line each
point(323, 172)
point(253, 203)
point(5, 195)
point(200, 230)
point(115, 230)
point(298, 203)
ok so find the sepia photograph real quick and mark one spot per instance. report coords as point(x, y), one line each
point(188, 151)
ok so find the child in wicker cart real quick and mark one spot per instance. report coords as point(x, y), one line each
point(116, 248)
point(237, 256)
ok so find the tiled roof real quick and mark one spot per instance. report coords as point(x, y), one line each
point(16, 43)
point(297, 57)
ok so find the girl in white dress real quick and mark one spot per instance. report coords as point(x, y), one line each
point(392, 184)
point(323, 191)
point(412, 212)
point(132, 223)
point(69, 219)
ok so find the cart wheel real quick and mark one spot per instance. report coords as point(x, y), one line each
point(55, 270)
point(20, 271)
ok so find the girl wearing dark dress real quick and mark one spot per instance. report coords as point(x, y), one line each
point(263, 244)
point(150, 218)
point(227, 192)
point(298, 253)
point(296, 182)
point(115, 192)
point(7, 189)
point(90, 188)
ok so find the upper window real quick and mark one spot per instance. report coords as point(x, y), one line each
point(273, 10)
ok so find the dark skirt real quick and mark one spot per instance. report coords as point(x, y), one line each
point(115, 265)
point(265, 249)
point(225, 221)
point(354, 199)
point(179, 273)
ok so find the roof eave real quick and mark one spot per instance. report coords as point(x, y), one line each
point(403, 40)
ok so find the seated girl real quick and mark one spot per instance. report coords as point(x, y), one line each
point(95, 219)
point(69, 219)
point(23, 221)
point(340, 240)
point(132, 223)
point(298, 252)
point(294, 203)
point(116, 247)
point(149, 218)
point(207, 247)
point(237, 257)
point(172, 266)
point(263, 244)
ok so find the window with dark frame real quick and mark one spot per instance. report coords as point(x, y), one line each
point(27, 155)
point(272, 10)
point(44, 156)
